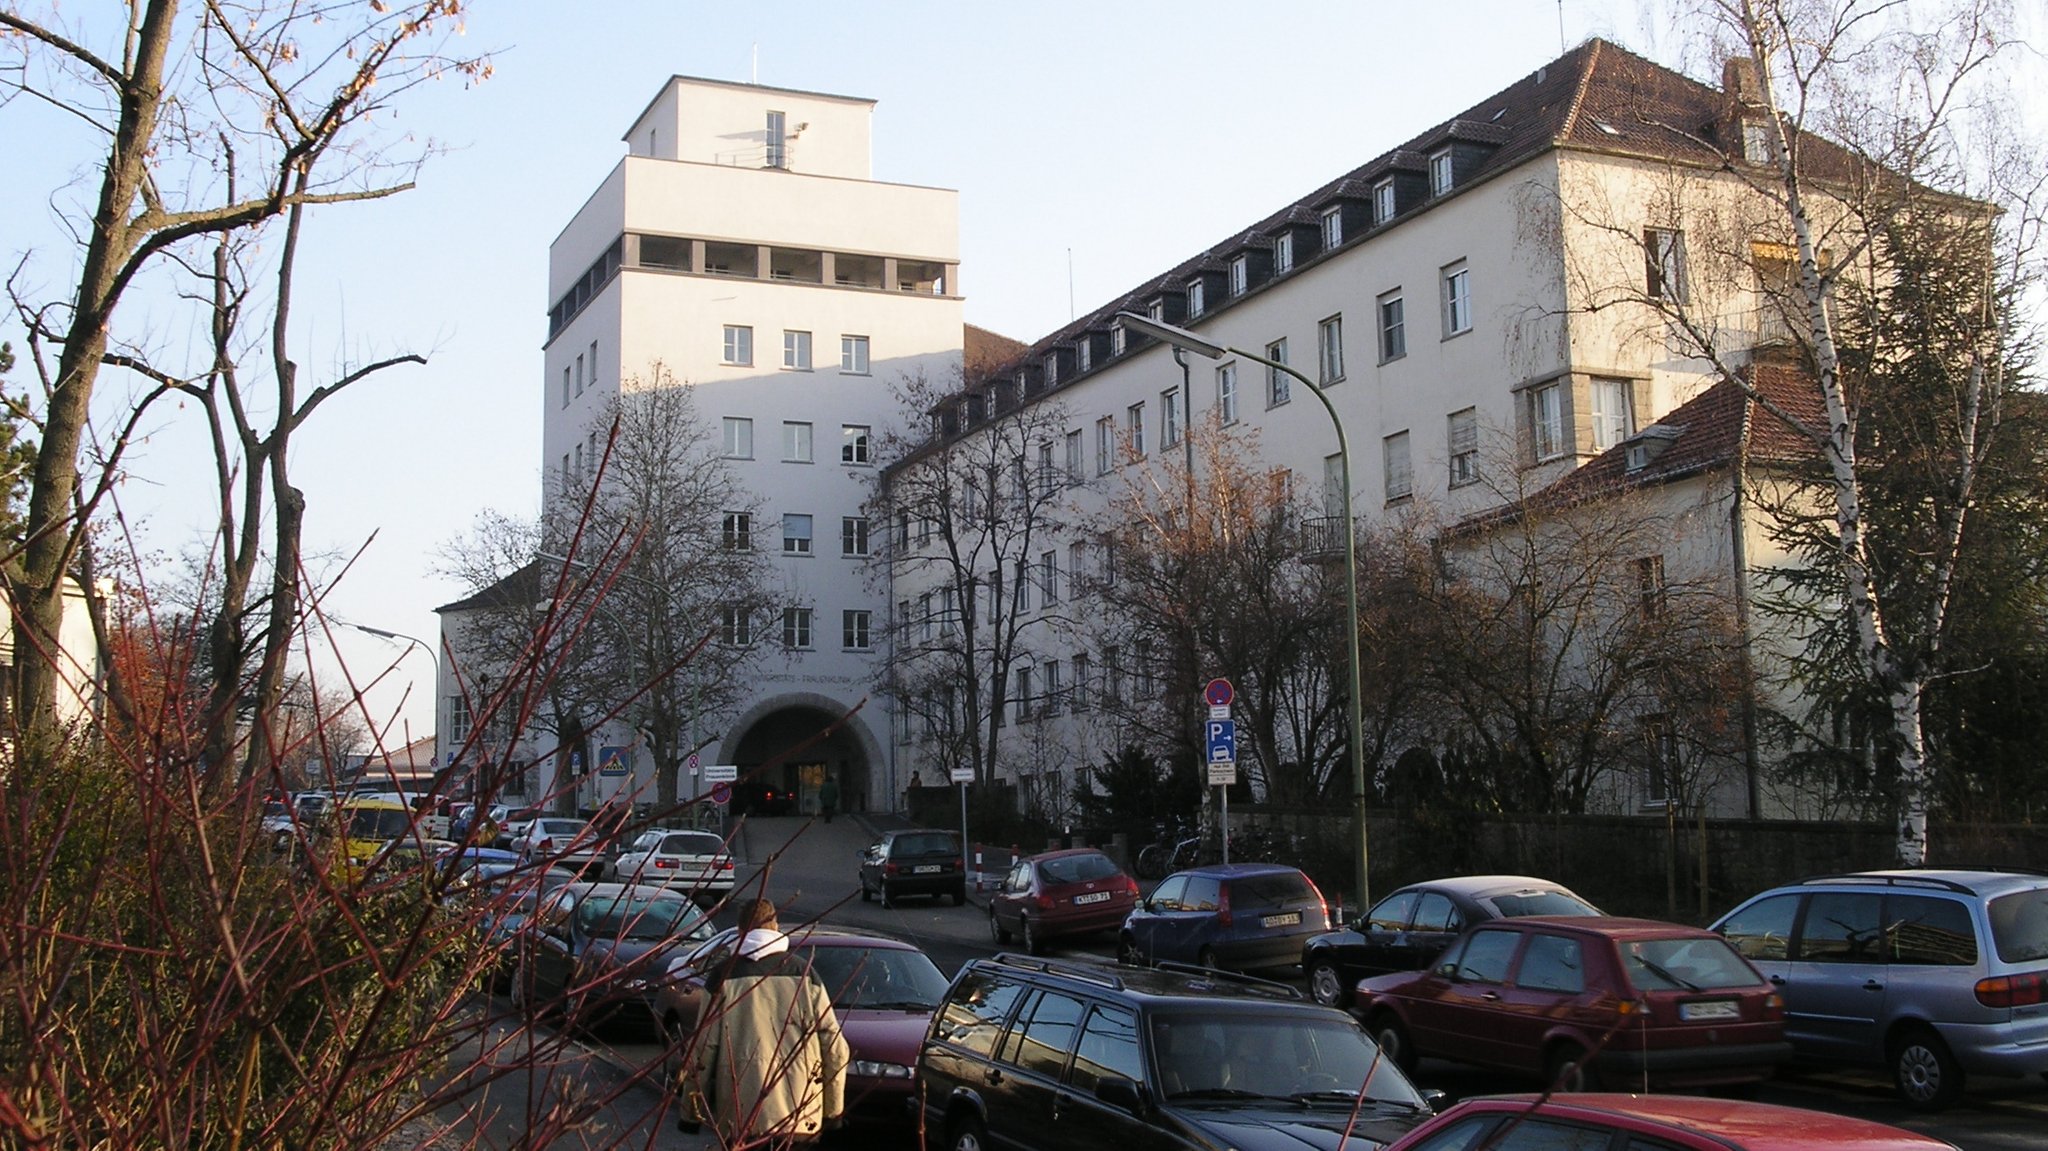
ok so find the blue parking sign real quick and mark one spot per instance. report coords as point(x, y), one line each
point(1222, 740)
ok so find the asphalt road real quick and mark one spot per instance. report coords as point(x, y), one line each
point(810, 868)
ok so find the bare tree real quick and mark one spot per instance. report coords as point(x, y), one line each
point(972, 508)
point(228, 88)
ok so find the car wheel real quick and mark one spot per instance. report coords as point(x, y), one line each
point(1033, 944)
point(1392, 1040)
point(1327, 985)
point(523, 1000)
point(996, 928)
point(888, 900)
point(1127, 951)
point(866, 896)
point(1565, 1069)
point(1929, 1078)
point(967, 1134)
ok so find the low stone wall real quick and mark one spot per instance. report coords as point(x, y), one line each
point(1626, 865)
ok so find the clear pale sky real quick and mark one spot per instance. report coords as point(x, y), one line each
point(1092, 144)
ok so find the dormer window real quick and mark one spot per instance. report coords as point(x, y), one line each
point(1333, 228)
point(1084, 354)
point(1052, 373)
point(1240, 275)
point(1283, 253)
point(1156, 310)
point(1116, 339)
point(1383, 201)
point(1195, 301)
point(1440, 173)
point(1756, 142)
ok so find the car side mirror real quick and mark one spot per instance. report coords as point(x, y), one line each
point(1117, 1091)
point(1447, 970)
point(1434, 1098)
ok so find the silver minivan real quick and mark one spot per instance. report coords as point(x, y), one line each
point(1933, 974)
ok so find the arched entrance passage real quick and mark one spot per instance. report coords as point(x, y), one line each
point(777, 779)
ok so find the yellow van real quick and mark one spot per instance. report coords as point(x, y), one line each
point(364, 826)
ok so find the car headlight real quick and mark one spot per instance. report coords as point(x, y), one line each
point(874, 1070)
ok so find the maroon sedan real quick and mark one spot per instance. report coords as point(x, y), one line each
point(1676, 1122)
point(883, 991)
point(1627, 1003)
point(1074, 892)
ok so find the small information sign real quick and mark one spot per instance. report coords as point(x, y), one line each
point(721, 772)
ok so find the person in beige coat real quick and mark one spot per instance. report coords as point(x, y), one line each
point(770, 1064)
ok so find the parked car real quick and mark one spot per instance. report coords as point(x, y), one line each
point(503, 898)
point(1240, 916)
point(1934, 974)
point(754, 797)
point(1060, 893)
point(597, 951)
point(1065, 1054)
point(465, 819)
point(364, 826)
point(1633, 1004)
point(914, 861)
point(695, 862)
point(515, 824)
point(1410, 928)
point(558, 841)
point(883, 991)
point(1663, 1122)
point(279, 825)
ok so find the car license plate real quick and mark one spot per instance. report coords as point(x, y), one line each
point(1093, 897)
point(1716, 1009)
point(925, 869)
point(1287, 920)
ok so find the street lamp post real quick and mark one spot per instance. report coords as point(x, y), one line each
point(424, 646)
point(1181, 338)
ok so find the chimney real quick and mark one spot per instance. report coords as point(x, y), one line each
point(1739, 81)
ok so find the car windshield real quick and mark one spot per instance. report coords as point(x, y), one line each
point(640, 917)
point(570, 827)
point(1688, 964)
point(1521, 903)
point(1076, 868)
point(378, 823)
point(692, 843)
point(931, 843)
point(2019, 925)
point(877, 977)
point(1282, 1054)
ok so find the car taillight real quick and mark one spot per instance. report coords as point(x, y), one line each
point(2012, 990)
point(890, 868)
point(1774, 1006)
point(725, 865)
point(664, 864)
point(1223, 906)
point(1130, 885)
point(1044, 902)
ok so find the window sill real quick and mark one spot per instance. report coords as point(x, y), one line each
point(1449, 336)
point(1271, 404)
point(788, 368)
point(1331, 382)
point(1384, 360)
point(850, 372)
point(1454, 485)
point(1404, 497)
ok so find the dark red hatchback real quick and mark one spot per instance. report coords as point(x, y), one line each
point(1666, 1122)
point(1630, 1004)
point(1059, 893)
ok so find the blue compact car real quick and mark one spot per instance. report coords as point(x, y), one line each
point(1239, 917)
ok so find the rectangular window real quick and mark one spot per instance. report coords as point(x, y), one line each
point(579, 375)
point(1134, 427)
point(1049, 578)
point(796, 627)
point(1024, 577)
point(1116, 339)
point(1333, 228)
point(853, 355)
point(1084, 354)
point(1393, 328)
point(1226, 393)
point(736, 626)
point(1400, 477)
point(1195, 300)
point(1048, 476)
point(739, 438)
point(1664, 264)
point(1457, 299)
point(1382, 201)
point(1650, 590)
point(927, 617)
point(458, 719)
point(1756, 142)
point(739, 531)
point(796, 351)
point(593, 363)
point(776, 138)
point(1440, 172)
point(1081, 670)
point(1279, 384)
point(1333, 486)
point(1330, 345)
point(1023, 697)
point(1283, 253)
point(1240, 275)
point(949, 611)
point(1077, 558)
point(853, 536)
point(739, 345)
point(854, 630)
point(1105, 445)
point(1463, 445)
point(565, 385)
point(1052, 374)
point(796, 534)
point(1546, 421)
point(853, 444)
point(1612, 418)
point(994, 594)
point(578, 473)
point(796, 442)
point(1075, 463)
point(1052, 687)
point(1112, 674)
point(1169, 418)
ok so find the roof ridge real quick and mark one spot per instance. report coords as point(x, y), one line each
point(1587, 66)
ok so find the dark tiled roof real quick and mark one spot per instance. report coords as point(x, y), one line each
point(522, 588)
point(982, 350)
point(1706, 433)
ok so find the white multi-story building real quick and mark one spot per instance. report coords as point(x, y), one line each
point(744, 247)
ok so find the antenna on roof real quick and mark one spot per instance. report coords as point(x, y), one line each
point(1560, 27)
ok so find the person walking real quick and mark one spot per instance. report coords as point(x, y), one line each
point(770, 1064)
point(828, 797)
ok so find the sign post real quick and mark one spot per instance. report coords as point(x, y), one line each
point(963, 776)
point(1222, 741)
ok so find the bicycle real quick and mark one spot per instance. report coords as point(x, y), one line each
point(1171, 851)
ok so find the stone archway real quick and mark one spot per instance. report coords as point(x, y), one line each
point(771, 728)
